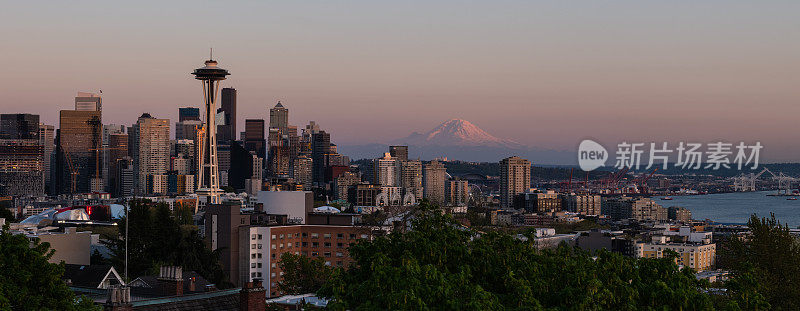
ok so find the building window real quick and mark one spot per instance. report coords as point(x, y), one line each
point(253, 256)
point(327, 235)
point(305, 244)
point(314, 244)
point(352, 235)
point(274, 246)
point(260, 236)
point(314, 235)
point(281, 236)
point(340, 235)
point(273, 236)
point(327, 254)
point(253, 237)
point(259, 255)
point(327, 244)
point(253, 265)
point(259, 265)
point(339, 254)
point(339, 245)
point(252, 246)
point(305, 235)
point(259, 246)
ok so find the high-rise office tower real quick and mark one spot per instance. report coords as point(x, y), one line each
point(227, 131)
point(109, 129)
point(515, 178)
point(21, 167)
point(124, 177)
point(188, 129)
point(457, 192)
point(434, 177)
point(108, 147)
point(19, 126)
point(21, 156)
point(254, 136)
point(399, 152)
point(88, 102)
point(279, 117)
point(79, 141)
point(47, 140)
point(411, 177)
point(188, 114)
point(188, 149)
point(152, 150)
point(321, 146)
point(343, 184)
point(301, 171)
point(387, 171)
point(118, 150)
point(208, 181)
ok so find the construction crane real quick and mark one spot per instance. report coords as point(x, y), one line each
point(97, 179)
point(72, 171)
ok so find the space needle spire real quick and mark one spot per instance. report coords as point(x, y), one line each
point(208, 180)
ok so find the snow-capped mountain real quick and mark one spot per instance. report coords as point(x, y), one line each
point(461, 140)
point(457, 132)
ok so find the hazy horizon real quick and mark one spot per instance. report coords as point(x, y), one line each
point(546, 74)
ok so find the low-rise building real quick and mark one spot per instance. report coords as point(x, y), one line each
point(538, 202)
point(583, 204)
point(700, 257)
point(640, 209)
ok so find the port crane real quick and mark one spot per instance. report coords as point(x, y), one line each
point(747, 182)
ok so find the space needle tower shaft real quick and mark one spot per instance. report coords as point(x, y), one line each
point(208, 178)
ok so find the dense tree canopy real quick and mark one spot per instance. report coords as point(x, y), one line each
point(441, 265)
point(157, 239)
point(29, 282)
point(303, 274)
point(765, 265)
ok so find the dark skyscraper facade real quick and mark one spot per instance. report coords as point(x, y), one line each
point(21, 156)
point(227, 132)
point(399, 152)
point(19, 126)
point(80, 135)
point(188, 113)
point(254, 136)
point(118, 152)
point(321, 146)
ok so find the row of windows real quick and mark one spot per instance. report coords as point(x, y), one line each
point(305, 244)
point(313, 236)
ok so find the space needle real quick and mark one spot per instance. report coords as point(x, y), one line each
point(208, 183)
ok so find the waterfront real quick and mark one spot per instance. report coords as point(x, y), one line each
point(737, 207)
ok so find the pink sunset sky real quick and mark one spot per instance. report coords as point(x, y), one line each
point(543, 73)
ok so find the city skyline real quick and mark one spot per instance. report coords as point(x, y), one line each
point(669, 71)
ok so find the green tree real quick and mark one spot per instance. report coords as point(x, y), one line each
point(439, 264)
point(765, 265)
point(302, 275)
point(29, 282)
point(157, 239)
